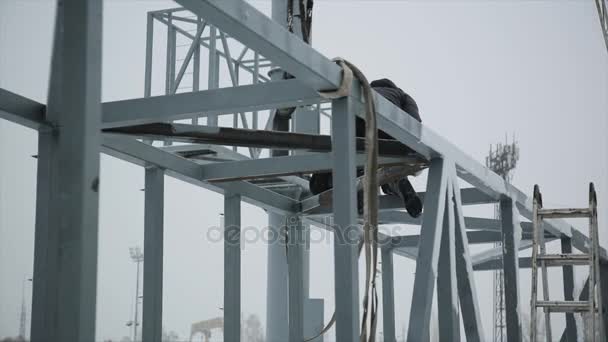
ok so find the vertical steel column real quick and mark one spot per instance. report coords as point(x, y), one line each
point(346, 230)
point(276, 291)
point(149, 53)
point(65, 265)
point(467, 293)
point(428, 251)
point(603, 270)
point(170, 68)
point(295, 258)
point(447, 295)
point(232, 267)
point(568, 277)
point(511, 235)
point(46, 244)
point(153, 255)
point(388, 296)
point(256, 80)
point(171, 48)
point(196, 68)
point(214, 69)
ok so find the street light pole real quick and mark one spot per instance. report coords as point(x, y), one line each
point(138, 257)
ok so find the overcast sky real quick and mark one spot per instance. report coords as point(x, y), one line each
point(478, 70)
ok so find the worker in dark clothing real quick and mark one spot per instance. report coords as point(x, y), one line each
point(320, 182)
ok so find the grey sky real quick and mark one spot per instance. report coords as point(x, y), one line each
point(477, 69)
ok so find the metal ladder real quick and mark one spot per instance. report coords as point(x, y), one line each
point(594, 305)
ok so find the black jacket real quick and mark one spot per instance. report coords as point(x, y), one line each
point(398, 97)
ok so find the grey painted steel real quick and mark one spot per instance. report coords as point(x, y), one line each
point(180, 168)
point(426, 263)
point(170, 56)
point(467, 293)
point(194, 46)
point(21, 110)
point(346, 232)
point(153, 255)
point(568, 277)
point(388, 296)
point(471, 196)
point(494, 253)
point(277, 166)
point(232, 267)
point(604, 293)
point(196, 68)
point(255, 30)
point(295, 263)
point(44, 293)
point(149, 49)
point(277, 323)
point(314, 319)
point(474, 237)
point(65, 273)
point(214, 70)
point(447, 295)
point(262, 96)
point(510, 243)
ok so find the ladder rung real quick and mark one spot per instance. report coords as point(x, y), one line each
point(564, 259)
point(564, 213)
point(564, 306)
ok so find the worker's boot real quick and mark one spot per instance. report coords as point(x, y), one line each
point(410, 198)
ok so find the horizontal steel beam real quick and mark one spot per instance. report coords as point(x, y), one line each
point(21, 110)
point(144, 154)
point(246, 98)
point(474, 237)
point(470, 196)
point(280, 166)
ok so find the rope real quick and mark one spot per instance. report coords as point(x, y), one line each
point(370, 191)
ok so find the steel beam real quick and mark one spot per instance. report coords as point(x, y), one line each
point(346, 232)
point(232, 267)
point(278, 166)
point(511, 235)
point(252, 28)
point(21, 110)
point(153, 255)
point(142, 154)
point(474, 237)
point(447, 295)
point(312, 207)
point(467, 293)
point(388, 296)
point(277, 309)
point(295, 264)
point(65, 266)
point(244, 98)
point(426, 263)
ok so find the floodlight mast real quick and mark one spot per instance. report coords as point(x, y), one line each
point(138, 257)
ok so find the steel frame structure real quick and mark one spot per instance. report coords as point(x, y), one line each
point(71, 139)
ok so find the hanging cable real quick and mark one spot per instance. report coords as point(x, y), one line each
point(602, 12)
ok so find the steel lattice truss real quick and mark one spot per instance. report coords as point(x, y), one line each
point(64, 283)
